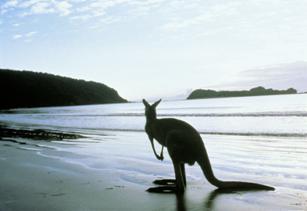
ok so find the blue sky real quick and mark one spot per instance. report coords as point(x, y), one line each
point(158, 48)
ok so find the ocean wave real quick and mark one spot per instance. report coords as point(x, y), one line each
point(256, 114)
point(295, 135)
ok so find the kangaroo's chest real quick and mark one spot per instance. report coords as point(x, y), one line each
point(156, 132)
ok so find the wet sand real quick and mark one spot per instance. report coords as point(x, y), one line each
point(112, 170)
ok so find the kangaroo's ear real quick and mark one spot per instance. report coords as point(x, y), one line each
point(146, 104)
point(156, 103)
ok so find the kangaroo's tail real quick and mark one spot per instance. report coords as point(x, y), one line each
point(205, 165)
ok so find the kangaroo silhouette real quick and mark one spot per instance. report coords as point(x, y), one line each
point(185, 146)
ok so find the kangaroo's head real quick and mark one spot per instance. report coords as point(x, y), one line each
point(150, 110)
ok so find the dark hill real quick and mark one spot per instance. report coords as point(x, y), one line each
point(257, 91)
point(32, 89)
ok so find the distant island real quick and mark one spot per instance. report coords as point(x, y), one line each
point(20, 89)
point(257, 91)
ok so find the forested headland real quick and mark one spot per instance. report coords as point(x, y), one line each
point(257, 91)
point(21, 89)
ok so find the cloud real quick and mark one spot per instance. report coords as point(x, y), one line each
point(17, 36)
point(38, 7)
point(104, 12)
point(238, 18)
point(97, 13)
point(27, 36)
point(28, 3)
point(83, 17)
point(280, 76)
point(63, 7)
point(96, 8)
point(296, 69)
point(41, 8)
point(81, 9)
point(30, 34)
point(8, 5)
point(200, 14)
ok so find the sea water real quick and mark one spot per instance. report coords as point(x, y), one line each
point(278, 115)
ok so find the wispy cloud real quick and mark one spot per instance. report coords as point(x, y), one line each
point(17, 36)
point(8, 5)
point(30, 34)
point(36, 7)
point(94, 8)
point(105, 11)
point(203, 14)
point(178, 14)
point(41, 8)
point(248, 18)
point(64, 7)
point(280, 76)
point(26, 36)
point(113, 11)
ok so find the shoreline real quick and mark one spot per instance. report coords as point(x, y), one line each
point(40, 134)
point(64, 175)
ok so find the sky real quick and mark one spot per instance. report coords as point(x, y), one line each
point(159, 48)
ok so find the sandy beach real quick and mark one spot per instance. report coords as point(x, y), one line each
point(112, 170)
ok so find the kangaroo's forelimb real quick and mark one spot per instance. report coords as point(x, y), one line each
point(159, 157)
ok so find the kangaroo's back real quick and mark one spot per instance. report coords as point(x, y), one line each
point(167, 125)
point(183, 142)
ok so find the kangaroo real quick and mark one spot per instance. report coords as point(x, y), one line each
point(185, 146)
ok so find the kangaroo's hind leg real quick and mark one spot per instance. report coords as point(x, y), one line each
point(180, 186)
point(171, 144)
point(172, 181)
point(164, 181)
point(183, 174)
point(175, 143)
point(175, 147)
point(174, 186)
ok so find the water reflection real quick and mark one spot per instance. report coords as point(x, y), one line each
point(180, 199)
point(209, 200)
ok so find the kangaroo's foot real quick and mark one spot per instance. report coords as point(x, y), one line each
point(163, 189)
point(165, 182)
